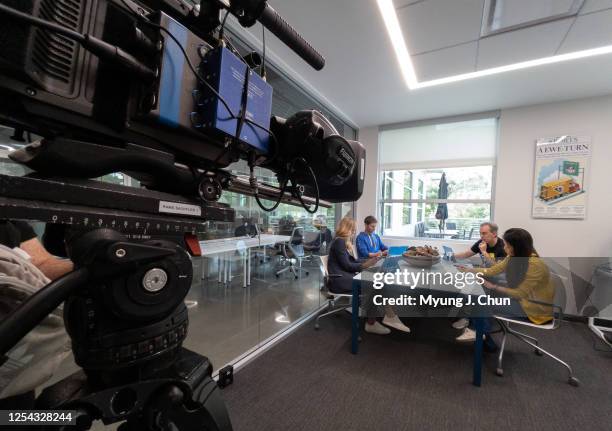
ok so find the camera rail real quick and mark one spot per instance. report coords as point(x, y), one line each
point(93, 204)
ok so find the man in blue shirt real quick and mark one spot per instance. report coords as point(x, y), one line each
point(368, 242)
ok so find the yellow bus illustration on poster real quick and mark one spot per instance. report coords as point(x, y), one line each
point(561, 168)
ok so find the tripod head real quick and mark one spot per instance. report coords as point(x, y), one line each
point(125, 314)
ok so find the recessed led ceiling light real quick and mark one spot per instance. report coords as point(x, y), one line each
point(397, 39)
point(405, 61)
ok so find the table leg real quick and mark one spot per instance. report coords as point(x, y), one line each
point(219, 265)
point(225, 265)
point(355, 318)
point(229, 264)
point(478, 344)
point(244, 267)
point(248, 266)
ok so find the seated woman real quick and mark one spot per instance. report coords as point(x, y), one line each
point(528, 278)
point(342, 261)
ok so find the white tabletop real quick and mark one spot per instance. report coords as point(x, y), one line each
point(224, 245)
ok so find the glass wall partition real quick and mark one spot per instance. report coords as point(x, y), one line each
point(259, 274)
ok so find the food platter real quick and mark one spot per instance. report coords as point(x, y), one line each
point(421, 257)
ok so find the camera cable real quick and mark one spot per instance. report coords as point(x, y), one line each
point(96, 46)
point(146, 21)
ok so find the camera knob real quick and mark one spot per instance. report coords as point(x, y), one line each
point(154, 280)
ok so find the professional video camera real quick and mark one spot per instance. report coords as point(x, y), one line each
point(149, 88)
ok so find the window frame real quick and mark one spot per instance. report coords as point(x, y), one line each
point(438, 164)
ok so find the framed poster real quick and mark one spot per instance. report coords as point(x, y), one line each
point(561, 168)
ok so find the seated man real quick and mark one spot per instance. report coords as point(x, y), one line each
point(489, 246)
point(247, 228)
point(324, 236)
point(368, 242)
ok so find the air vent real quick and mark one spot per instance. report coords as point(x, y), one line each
point(54, 55)
point(508, 15)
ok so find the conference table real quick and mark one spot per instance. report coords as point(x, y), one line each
point(438, 290)
point(226, 248)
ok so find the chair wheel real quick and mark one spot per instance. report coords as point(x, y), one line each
point(499, 372)
point(307, 273)
point(277, 275)
point(317, 327)
point(296, 277)
point(538, 352)
point(574, 381)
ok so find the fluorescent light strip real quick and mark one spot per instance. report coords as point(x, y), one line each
point(403, 56)
point(397, 39)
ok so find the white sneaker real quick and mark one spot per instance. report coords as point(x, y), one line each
point(461, 323)
point(468, 336)
point(376, 328)
point(396, 323)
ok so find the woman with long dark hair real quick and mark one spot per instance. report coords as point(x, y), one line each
point(528, 278)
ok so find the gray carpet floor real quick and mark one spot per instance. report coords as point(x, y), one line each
point(420, 381)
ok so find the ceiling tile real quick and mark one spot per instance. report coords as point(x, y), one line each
point(589, 31)
point(436, 24)
point(595, 5)
point(445, 62)
point(521, 45)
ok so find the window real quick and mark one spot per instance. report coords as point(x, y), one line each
point(406, 213)
point(417, 158)
point(421, 205)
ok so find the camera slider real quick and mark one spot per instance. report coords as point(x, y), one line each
point(93, 204)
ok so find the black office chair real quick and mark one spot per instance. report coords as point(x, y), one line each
point(293, 253)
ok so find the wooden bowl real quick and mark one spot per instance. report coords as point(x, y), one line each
point(422, 261)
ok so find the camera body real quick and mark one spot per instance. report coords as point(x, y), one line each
point(59, 89)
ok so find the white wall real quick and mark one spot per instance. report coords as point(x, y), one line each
point(519, 128)
point(366, 205)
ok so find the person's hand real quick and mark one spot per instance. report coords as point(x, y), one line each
point(378, 254)
point(462, 268)
point(370, 262)
point(483, 247)
point(385, 253)
point(487, 284)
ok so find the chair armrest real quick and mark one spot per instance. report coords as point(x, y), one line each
point(334, 275)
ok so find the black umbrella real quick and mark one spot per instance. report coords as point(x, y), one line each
point(442, 211)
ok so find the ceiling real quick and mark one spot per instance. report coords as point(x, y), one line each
point(363, 82)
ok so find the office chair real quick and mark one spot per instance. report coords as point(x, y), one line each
point(293, 252)
point(419, 229)
point(505, 323)
point(334, 304)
